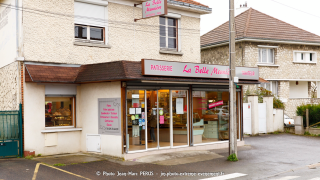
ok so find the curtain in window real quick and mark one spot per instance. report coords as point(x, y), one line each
point(264, 55)
point(270, 55)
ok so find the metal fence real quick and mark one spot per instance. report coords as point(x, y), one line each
point(11, 133)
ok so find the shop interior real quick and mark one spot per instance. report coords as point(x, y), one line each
point(158, 119)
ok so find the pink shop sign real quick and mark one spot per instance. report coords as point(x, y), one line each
point(154, 8)
point(215, 104)
point(182, 69)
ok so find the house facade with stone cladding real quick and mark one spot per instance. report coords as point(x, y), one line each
point(292, 76)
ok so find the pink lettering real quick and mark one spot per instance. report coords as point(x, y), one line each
point(156, 2)
point(248, 73)
point(217, 71)
point(103, 116)
point(114, 113)
point(109, 124)
point(204, 70)
point(212, 105)
point(108, 105)
point(187, 71)
point(203, 108)
point(153, 9)
point(114, 117)
point(161, 68)
point(108, 121)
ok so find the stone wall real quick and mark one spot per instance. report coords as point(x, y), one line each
point(247, 54)
point(9, 87)
point(292, 104)
point(50, 37)
point(220, 55)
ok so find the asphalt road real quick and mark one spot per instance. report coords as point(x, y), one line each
point(281, 156)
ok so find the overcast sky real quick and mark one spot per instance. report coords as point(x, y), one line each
point(304, 14)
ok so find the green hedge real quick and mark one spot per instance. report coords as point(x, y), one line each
point(314, 113)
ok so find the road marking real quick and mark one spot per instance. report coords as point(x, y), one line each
point(36, 171)
point(287, 178)
point(37, 168)
point(225, 177)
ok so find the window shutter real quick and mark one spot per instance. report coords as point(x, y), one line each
point(89, 14)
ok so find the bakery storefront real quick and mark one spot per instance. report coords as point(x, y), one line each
point(187, 106)
point(128, 108)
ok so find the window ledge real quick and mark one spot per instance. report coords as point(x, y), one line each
point(272, 65)
point(92, 44)
point(170, 52)
point(61, 130)
point(304, 62)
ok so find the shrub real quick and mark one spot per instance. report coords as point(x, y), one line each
point(314, 113)
point(277, 103)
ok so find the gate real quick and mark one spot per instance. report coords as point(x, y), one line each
point(11, 133)
point(262, 117)
point(247, 118)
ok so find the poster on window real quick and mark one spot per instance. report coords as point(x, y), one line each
point(179, 105)
point(109, 117)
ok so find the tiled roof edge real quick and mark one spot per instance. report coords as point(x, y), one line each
point(248, 38)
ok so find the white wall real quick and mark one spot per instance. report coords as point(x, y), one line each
point(278, 120)
point(34, 123)
point(300, 90)
point(88, 114)
point(8, 44)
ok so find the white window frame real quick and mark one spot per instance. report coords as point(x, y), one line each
point(105, 27)
point(260, 48)
point(73, 113)
point(264, 85)
point(178, 38)
point(88, 34)
point(314, 57)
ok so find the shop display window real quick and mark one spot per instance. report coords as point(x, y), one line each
point(136, 119)
point(59, 111)
point(210, 116)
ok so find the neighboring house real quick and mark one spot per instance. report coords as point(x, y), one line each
point(84, 74)
point(287, 56)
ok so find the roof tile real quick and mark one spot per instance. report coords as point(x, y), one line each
point(257, 25)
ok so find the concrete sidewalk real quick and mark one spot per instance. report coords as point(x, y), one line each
point(168, 159)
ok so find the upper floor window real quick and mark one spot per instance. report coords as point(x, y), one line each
point(168, 33)
point(266, 55)
point(90, 22)
point(304, 57)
